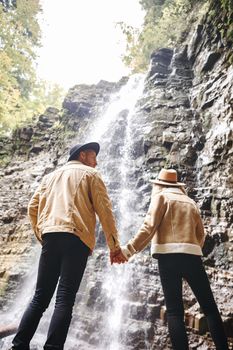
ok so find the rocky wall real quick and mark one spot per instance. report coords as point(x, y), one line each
point(187, 114)
point(31, 152)
point(184, 121)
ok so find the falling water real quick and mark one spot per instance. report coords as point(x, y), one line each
point(113, 130)
point(115, 283)
point(125, 99)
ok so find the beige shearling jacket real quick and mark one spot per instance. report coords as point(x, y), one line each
point(172, 223)
point(68, 200)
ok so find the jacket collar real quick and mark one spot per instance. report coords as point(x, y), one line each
point(77, 163)
point(74, 162)
point(173, 190)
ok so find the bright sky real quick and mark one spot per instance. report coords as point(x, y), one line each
point(81, 43)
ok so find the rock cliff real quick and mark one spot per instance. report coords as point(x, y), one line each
point(183, 120)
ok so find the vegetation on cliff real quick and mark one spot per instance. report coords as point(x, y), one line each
point(166, 23)
point(21, 94)
point(221, 17)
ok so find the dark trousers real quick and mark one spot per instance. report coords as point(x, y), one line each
point(63, 256)
point(173, 268)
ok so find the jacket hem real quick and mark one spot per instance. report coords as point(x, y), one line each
point(72, 231)
point(166, 248)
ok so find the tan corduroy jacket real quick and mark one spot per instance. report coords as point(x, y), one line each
point(67, 201)
point(172, 223)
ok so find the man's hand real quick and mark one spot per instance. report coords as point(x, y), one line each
point(117, 257)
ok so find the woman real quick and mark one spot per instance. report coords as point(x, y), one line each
point(174, 225)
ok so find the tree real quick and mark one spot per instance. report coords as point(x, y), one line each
point(19, 38)
point(164, 22)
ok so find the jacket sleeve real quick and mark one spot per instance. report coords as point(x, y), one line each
point(33, 211)
point(200, 232)
point(151, 223)
point(103, 208)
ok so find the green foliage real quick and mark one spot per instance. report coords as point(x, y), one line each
point(227, 5)
point(19, 110)
point(45, 95)
point(221, 15)
point(227, 9)
point(164, 23)
point(21, 95)
point(149, 4)
point(19, 37)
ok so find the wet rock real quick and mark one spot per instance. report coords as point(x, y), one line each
point(25, 133)
point(182, 121)
point(36, 149)
point(211, 59)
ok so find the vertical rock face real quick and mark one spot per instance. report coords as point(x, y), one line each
point(183, 120)
point(188, 110)
point(211, 96)
point(26, 157)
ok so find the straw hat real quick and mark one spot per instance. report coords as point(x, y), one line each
point(167, 177)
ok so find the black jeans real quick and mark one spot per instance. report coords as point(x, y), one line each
point(173, 268)
point(63, 256)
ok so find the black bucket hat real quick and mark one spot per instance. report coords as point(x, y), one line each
point(74, 151)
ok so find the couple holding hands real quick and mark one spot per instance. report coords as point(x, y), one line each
point(63, 212)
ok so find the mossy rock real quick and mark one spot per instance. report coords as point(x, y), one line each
point(229, 33)
point(4, 161)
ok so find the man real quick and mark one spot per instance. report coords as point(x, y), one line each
point(62, 214)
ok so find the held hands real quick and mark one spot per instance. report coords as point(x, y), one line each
point(122, 254)
point(117, 257)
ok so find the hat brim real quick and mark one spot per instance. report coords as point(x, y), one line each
point(166, 183)
point(91, 145)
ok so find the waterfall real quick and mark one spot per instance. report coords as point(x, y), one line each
point(103, 128)
point(114, 132)
point(116, 280)
point(102, 309)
